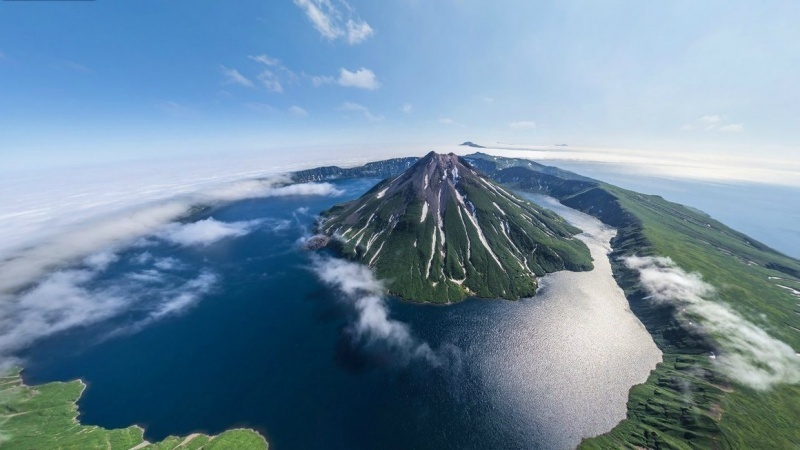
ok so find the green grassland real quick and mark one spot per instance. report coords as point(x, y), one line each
point(686, 403)
point(45, 417)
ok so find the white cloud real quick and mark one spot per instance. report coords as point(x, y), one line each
point(325, 189)
point(205, 232)
point(523, 125)
point(732, 128)
point(276, 64)
point(142, 258)
point(362, 78)
point(711, 119)
point(266, 60)
point(149, 294)
point(335, 19)
point(748, 354)
point(183, 298)
point(714, 122)
point(69, 299)
point(176, 109)
point(23, 264)
point(149, 276)
point(167, 263)
point(298, 111)
point(77, 67)
point(358, 31)
point(450, 122)
point(101, 260)
point(270, 81)
point(363, 110)
point(58, 303)
point(232, 76)
point(323, 21)
point(260, 107)
point(407, 108)
point(366, 295)
point(321, 80)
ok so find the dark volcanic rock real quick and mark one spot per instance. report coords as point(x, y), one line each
point(316, 242)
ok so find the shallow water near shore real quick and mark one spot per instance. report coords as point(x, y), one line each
point(271, 347)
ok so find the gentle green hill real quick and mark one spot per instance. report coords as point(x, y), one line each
point(45, 417)
point(441, 231)
point(687, 402)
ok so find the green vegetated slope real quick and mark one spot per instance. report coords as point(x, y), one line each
point(440, 232)
point(686, 403)
point(377, 169)
point(45, 417)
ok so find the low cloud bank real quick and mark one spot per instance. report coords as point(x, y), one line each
point(69, 299)
point(372, 325)
point(20, 266)
point(748, 354)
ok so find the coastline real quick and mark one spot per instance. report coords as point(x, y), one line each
point(47, 405)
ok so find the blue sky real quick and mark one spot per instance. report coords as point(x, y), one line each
point(111, 81)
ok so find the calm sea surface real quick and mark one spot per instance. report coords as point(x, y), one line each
point(270, 347)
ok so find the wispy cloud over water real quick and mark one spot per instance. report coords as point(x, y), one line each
point(749, 354)
point(74, 298)
point(373, 325)
point(205, 232)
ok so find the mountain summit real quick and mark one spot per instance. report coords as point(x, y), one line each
point(441, 231)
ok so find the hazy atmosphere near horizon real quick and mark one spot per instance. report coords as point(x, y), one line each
point(602, 197)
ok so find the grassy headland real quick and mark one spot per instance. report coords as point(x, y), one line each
point(45, 417)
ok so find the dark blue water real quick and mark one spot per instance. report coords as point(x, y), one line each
point(271, 348)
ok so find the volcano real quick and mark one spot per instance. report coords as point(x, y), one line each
point(441, 232)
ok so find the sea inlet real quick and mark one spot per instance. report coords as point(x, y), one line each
point(241, 332)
